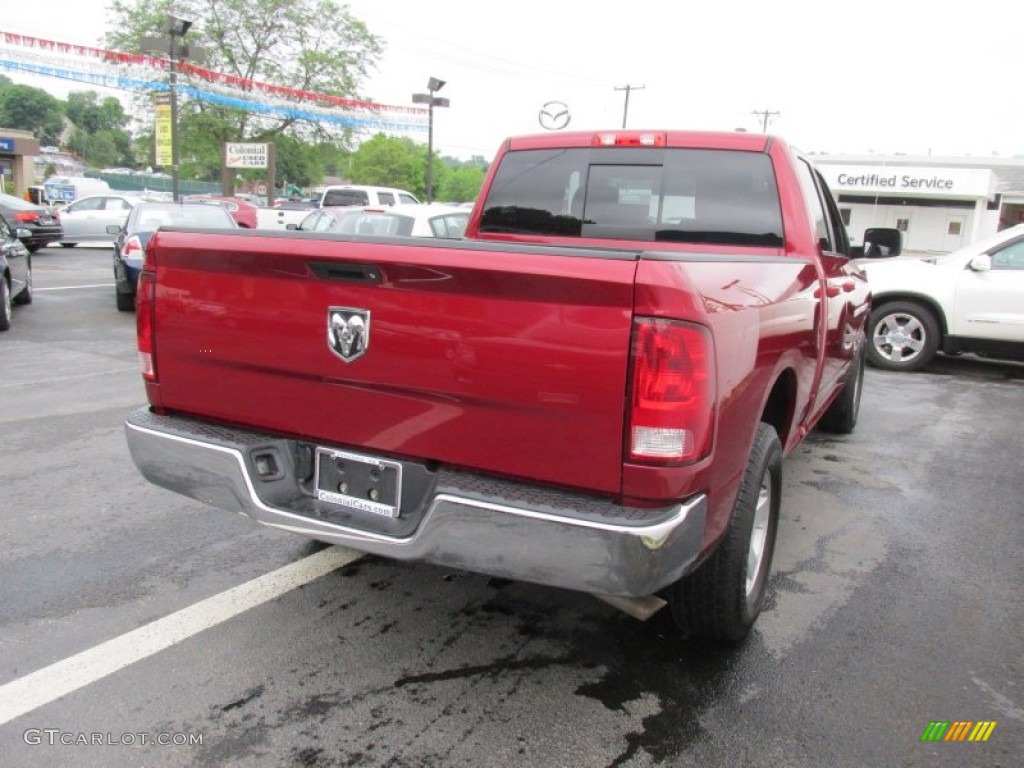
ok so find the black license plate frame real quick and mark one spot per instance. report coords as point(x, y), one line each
point(358, 482)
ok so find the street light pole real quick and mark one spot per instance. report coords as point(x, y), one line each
point(430, 149)
point(176, 28)
point(433, 84)
point(173, 86)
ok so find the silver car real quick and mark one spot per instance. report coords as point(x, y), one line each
point(86, 220)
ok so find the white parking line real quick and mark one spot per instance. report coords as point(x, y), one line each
point(66, 676)
point(73, 287)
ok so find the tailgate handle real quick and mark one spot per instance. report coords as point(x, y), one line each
point(355, 273)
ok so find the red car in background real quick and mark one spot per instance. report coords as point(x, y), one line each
point(241, 210)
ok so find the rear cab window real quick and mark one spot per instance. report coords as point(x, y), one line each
point(648, 194)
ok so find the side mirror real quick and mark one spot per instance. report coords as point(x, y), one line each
point(113, 229)
point(980, 263)
point(882, 242)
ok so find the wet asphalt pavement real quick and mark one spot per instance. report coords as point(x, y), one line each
point(896, 600)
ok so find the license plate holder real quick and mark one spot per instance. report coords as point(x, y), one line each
point(358, 482)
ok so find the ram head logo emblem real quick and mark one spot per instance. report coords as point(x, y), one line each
point(348, 332)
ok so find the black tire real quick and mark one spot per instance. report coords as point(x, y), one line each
point(841, 416)
point(125, 301)
point(718, 601)
point(902, 336)
point(33, 248)
point(5, 305)
point(25, 294)
point(68, 245)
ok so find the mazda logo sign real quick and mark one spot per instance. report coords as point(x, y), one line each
point(554, 116)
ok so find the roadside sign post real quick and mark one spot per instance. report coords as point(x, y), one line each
point(239, 154)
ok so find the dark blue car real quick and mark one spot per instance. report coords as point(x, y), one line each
point(143, 221)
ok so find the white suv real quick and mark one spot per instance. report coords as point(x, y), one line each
point(970, 300)
point(351, 194)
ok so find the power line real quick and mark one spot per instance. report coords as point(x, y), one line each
point(625, 107)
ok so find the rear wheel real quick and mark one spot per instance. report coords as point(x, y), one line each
point(125, 301)
point(25, 295)
point(68, 245)
point(721, 599)
point(841, 416)
point(5, 304)
point(902, 336)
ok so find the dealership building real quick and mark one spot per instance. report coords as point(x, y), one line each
point(940, 204)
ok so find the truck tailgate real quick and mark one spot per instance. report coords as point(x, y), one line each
point(481, 356)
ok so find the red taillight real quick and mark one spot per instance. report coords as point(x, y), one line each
point(672, 396)
point(629, 139)
point(133, 247)
point(145, 299)
point(25, 216)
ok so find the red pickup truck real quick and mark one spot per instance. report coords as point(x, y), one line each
point(594, 390)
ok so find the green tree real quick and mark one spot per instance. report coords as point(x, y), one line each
point(91, 115)
point(285, 42)
point(390, 162)
point(297, 162)
point(100, 137)
point(103, 151)
point(461, 183)
point(32, 109)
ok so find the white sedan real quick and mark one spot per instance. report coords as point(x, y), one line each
point(970, 300)
point(408, 220)
point(86, 220)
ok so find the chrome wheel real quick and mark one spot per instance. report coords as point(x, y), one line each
point(899, 337)
point(759, 532)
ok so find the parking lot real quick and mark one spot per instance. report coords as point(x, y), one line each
point(142, 616)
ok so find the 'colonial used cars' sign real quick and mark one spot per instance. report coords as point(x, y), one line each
point(239, 155)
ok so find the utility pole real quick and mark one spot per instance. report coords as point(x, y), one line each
point(765, 114)
point(625, 108)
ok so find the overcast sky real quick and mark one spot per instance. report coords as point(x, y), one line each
point(881, 76)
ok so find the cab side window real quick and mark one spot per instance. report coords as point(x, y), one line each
point(819, 218)
point(836, 220)
point(1010, 257)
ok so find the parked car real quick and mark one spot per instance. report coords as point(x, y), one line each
point(86, 220)
point(144, 220)
point(969, 300)
point(243, 211)
point(417, 220)
point(352, 194)
point(38, 225)
point(15, 272)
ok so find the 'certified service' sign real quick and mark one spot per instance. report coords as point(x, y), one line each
point(246, 155)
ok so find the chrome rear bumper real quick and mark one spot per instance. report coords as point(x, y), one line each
point(523, 533)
